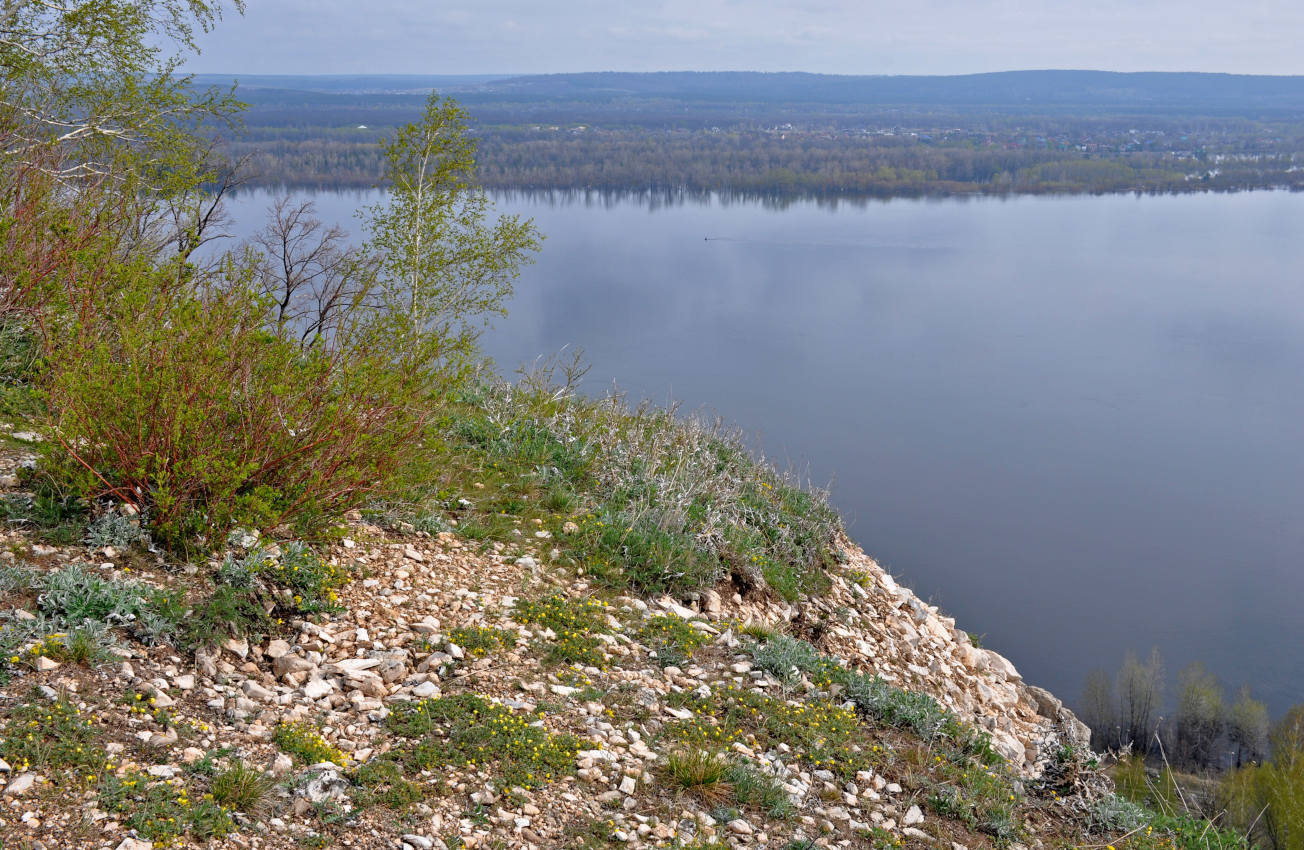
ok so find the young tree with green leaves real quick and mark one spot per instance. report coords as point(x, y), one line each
point(1199, 721)
point(444, 268)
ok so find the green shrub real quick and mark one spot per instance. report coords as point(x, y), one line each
point(191, 408)
point(576, 625)
point(381, 782)
point(312, 579)
point(787, 658)
point(672, 638)
point(113, 529)
point(479, 641)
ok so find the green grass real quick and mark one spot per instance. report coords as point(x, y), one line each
point(163, 812)
point(381, 782)
point(55, 737)
point(698, 771)
point(242, 788)
point(757, 790)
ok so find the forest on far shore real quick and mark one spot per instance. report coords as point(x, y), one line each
point(797, 135)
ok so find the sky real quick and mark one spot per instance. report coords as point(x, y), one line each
point(824, 36)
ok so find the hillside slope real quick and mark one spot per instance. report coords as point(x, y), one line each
point(458, 694)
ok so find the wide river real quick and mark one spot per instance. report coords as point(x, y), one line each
point(1073, 423)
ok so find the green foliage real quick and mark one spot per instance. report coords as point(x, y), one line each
point(85, 644)
point(304, 742)
point(576, 625)
point(755, 789)
point(827, 735)
point(1268, 801)
point(698, 771)
point(242, 788)
point(671, 637)
point(226, 612)
point(479, 641)
point(312, 579)
point(381, 782)
point(78, 608)
point(469, 731)
point(113, 529)
point(788, 658)
point(189, 407)
point(55, 515)
point(53, 736)
point(163, 811)
point(442, 267)
point(20, 356)
point(1115, 813)
point(637, 497)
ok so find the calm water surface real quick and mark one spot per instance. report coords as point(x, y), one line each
point(1074, 423)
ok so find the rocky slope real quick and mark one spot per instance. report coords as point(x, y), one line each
point(171, 719)
point(459, 694)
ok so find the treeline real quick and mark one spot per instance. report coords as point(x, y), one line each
point(1258, 764)
point(764, 162)
point(1205, 730)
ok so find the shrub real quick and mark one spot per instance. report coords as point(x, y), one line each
point(188, 407)
point(576, 625)
point(113, 529)
point(381, 782)
point(162, 811)
point(788, 658)
point(479, 641)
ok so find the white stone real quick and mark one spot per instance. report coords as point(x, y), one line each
point(315, 689)
point(253, 690)
point(20, 784)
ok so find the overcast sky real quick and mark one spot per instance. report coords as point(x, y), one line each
point(829, 36)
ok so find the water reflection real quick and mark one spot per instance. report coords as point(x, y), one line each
point(1073, 422)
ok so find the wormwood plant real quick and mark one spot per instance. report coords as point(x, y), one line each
point(636, 496)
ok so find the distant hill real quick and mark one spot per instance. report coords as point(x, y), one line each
point(1094, 90)
point(1008, 88)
